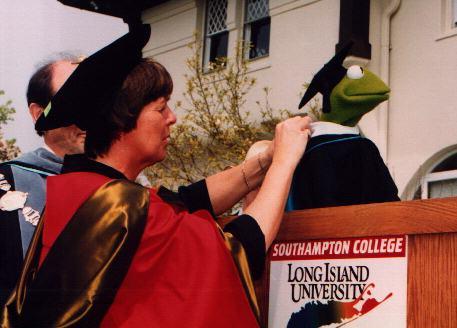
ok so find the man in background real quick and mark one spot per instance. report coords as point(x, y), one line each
point(23, 180)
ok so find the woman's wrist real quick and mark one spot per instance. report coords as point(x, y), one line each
point(284, 163)
point(253, 170)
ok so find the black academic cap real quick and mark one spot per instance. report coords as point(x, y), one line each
point(326, 79)
point(92, 87)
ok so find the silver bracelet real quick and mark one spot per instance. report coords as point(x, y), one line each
point(244, 176)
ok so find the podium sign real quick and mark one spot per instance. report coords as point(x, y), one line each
point(355, 282)
point(430, 251)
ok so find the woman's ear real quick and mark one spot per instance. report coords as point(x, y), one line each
point(35, 111)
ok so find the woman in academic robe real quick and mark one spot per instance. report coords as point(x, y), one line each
point(112, 253)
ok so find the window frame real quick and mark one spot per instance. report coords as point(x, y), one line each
point(453, 10)
point(435, 177)
point(247, 29)
point(208, 38)
point(448, 19)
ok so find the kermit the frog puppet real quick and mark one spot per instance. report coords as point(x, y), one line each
point(341, 167)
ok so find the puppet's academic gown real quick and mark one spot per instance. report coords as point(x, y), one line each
point(340, 167)
point(117, 253)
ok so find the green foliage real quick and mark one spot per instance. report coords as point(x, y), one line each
point(216, 129)
point(8, 148)
point(6, 110)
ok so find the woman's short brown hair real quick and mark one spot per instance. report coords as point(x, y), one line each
point(148, 81)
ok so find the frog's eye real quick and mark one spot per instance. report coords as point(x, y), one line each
point(355, 72)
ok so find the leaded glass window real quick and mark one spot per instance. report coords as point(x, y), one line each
point(216, 34)
point(257, 28)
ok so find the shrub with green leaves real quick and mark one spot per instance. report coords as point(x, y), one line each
point(216, 129)
point(8, 148)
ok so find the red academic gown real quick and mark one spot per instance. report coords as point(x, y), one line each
point(182, 274)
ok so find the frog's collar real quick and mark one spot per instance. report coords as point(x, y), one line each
point(321, 128)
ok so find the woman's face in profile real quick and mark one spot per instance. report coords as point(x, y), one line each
point(151, 136)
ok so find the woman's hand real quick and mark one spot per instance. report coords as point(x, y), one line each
point(229, 186)
point(285, 135)
point(291, 137)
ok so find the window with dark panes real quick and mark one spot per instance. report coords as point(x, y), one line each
point(257, 28)
point(216, 34)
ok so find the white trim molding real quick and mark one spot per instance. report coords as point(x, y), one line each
point(448, 19)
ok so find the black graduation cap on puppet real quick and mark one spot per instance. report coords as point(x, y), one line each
point(327, 78)
point(90, 90)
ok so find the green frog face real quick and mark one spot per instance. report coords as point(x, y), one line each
point(356, 94)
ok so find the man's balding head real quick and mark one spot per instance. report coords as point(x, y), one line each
point(43, 85)
point(47, 80)
point(61, 71)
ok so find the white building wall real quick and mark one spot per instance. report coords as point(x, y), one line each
point(370, 123)
point(295, 53)
point(423, 106)
point(303, 38)
point(421, 71)
point(173, 25)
